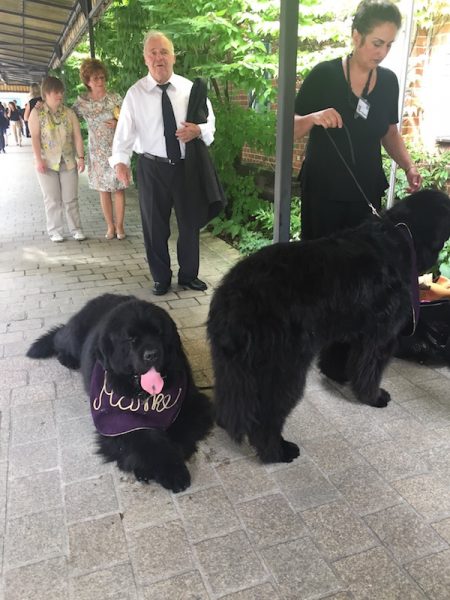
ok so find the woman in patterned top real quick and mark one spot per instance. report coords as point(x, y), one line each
point(100, 109)
point(57, 146)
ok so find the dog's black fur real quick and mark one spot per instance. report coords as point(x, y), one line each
point(346, 297)
point(129, 336)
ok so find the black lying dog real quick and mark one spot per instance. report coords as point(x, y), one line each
point(346, 297)
point(430, 343)
point(145, 405)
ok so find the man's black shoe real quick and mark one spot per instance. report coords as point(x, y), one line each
point(159, 289)
point(195, 284)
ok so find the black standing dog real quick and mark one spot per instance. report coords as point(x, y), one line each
point(147, 410)
point(346, 298)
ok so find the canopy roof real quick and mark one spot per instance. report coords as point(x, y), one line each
point(38, 35)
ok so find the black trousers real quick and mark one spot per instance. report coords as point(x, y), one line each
point(321, 217)
point(161, 187)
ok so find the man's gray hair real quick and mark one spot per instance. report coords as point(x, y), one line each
point(153, 33)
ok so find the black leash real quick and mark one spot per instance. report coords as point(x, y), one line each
point(371, 206)
point(414, 288)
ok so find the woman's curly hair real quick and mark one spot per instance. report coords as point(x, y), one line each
point(89, 67)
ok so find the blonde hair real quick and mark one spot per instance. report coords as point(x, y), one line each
point(35, 90)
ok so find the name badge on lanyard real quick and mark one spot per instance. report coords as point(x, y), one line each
point(362, 108)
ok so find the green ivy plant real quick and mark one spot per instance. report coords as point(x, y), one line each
point(433, 166)
point(256, 230)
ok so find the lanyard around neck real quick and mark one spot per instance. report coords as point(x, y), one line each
point(366, 87)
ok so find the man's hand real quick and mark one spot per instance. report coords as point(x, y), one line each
point(123, 173)
point(111, 123)
point(188, 132)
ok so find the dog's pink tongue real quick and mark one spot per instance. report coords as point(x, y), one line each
point(152, 382)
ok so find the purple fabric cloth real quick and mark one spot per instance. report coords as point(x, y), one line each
point(115, 415)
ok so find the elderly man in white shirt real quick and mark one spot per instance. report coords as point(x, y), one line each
point(160, 140)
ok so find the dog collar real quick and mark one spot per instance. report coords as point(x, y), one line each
point(414, 287)
point(114, 414)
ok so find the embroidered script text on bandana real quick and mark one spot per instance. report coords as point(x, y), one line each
point(114, 414)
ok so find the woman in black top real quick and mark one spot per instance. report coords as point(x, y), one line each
point(352, 102)
point(35, 97)
point(3, 127)
point(15, 121)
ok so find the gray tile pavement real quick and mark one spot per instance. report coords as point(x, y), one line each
point(364, 513)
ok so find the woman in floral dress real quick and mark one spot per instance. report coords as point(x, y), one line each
point(100, 109)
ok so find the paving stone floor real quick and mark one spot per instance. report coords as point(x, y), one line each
point(364, 513)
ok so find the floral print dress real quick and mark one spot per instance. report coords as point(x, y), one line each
point(101, 176)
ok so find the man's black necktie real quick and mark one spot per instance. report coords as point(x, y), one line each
point(170, 125)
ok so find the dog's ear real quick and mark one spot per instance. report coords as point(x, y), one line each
point(105, 350)
point(175, 356)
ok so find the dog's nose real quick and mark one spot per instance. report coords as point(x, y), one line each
point(150, 355)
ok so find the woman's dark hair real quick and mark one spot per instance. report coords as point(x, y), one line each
point(371, 13)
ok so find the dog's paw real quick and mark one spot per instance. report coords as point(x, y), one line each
point(290, 451)
point(143, 475)
point(68, 361)
point(383, 399)
point(176, 479)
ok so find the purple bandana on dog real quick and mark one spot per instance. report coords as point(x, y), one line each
point(114, 414)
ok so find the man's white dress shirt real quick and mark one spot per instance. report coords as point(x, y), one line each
point(140, 126)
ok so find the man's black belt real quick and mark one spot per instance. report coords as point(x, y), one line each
point(162, 159)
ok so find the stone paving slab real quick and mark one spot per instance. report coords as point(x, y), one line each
point(364, 513)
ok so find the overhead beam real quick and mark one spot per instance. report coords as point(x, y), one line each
point(23, 28)
point(25, 16)
point(52, 4)
point(86, 6)
point(26, 44)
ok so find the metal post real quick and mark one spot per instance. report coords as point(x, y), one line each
point(403, 78)
point(287, 72)
point(86, 6)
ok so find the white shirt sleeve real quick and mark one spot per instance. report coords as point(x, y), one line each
point(125, 134)
point(208, 129)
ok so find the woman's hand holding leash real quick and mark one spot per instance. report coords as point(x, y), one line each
point(328, 118)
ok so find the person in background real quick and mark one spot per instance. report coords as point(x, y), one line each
point(57, 146)
point(3, 128)
point(100, 109)
point(351, 104)
point(15, 121)
point(153, 123)
point(35, 97)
